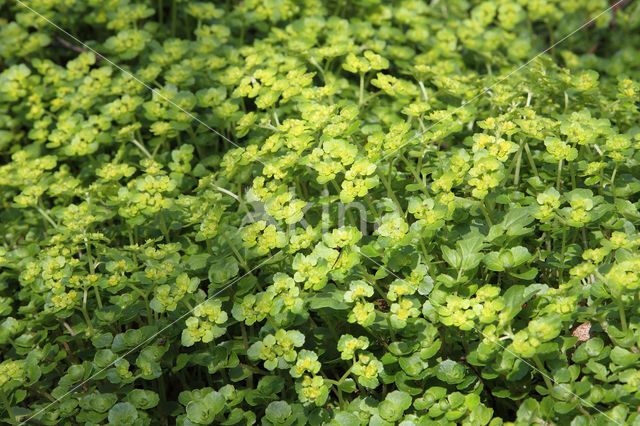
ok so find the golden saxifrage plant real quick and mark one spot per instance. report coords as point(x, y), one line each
point(341, 212)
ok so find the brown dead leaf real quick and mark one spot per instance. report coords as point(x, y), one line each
point(582, 332)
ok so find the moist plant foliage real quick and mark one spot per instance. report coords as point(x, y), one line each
point(153, 271)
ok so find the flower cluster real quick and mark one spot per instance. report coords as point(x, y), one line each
point(204, 325)
point(278, 350)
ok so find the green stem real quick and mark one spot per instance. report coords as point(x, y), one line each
point(92, 268)
point(142, 148)
point(85, 313)
point(379, 290)
point(543, 371)
point(516, 177)
point(345, 375)
point(562, 252)
point(415, 174)
point(391, 329)
point(623, 316)
point(559, 175)
point(46, 216)
point(6, 403)
point(361, 97)
point(485, 212)
point(424, 91)
point(530, 158)
point(618, 298)
point(236, 252)
point(174, 17)
point(98, 298)
point(340, 398)
point(313, 62)
point(146, 301)
point(159, 144)
point(245, 342)
point(390, 192)
point(163, 226)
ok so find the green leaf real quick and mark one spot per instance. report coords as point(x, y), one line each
point(143, 399)
point(197, 261)
point(199, 413)
point(412, 365)
point(623, 357)
point(593, 347)
point(348, 385)
point(519, 255)
point(404, 256)
point(278, 411)
point(450, 372)
point(222, 271)
point(528, 275)
point(493, 262)
point(517, 295)
point(343, 418)
point(269, 385)
point(452, 257)
point(400, 399)
point(102, 340)
point(104, 357)
point(329, 297)
point(123, 413)
point(389, 411)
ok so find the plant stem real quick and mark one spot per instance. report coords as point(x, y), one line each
point(174, 17)
point(346, 374)
point(623, 316)
point(98, 298)
point(516, 177)
point(146, 301)
point(543, 371)
point(559, 177)
point(85, 313)
point(163, 226)
point(142, 148)
point(46, 216)
point(613, 187)
point(424, 91)
point(530, 158)
point(235, 251)
point(390, 192)
point(92, 268)
point(485, 212)
point(245, 342)
point(379, 290)
point(361, 97)
point(6, 403)
point(415, 174)
point(562, 251)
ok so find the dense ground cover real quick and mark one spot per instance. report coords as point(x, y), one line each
point(340, 212)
